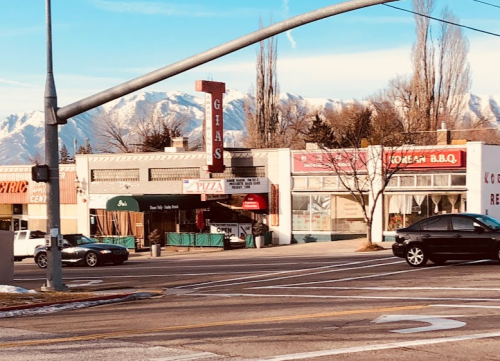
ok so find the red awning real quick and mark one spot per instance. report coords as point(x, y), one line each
point(254, 202)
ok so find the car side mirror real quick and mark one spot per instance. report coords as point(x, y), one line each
point(479, 230)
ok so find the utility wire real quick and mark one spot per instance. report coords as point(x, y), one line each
point(483, 2)
point(443, 21)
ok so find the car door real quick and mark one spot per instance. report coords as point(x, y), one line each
point(436, 235)
point(471, 239)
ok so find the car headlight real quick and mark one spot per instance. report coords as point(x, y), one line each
point(105, 251)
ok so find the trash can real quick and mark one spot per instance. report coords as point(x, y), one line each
point(6, 257)
point(155, 250)
point(259, 241)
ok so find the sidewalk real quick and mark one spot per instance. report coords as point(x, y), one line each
point(299, 249)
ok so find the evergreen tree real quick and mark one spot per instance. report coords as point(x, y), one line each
point(64, 157)
point(321, 133)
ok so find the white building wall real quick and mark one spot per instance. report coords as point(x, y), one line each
point(285, 196)
point(375, 173)
point(483, 179)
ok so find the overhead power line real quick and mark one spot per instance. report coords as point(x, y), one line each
point(443, 21)
point(483, 2)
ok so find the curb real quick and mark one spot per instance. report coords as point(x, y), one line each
point(43, 304)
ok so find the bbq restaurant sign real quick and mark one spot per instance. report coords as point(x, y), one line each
point(225, 186)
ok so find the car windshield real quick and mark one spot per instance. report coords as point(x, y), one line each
point(490, 222)
point(78, 240)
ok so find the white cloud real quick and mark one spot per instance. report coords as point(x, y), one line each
point(13, 82)
point(290, 38)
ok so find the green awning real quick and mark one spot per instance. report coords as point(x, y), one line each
point(155, 203)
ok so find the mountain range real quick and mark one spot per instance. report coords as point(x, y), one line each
point(22, 134)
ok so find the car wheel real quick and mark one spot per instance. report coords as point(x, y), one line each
point(91, 259)
point(416, 256)
point(41, 260)
point(438, 261)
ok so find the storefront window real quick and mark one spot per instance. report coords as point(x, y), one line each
point(403, 210)
point(299, 183)
point(441, 180)
point(407, 181)
point(327, 213)
point(300, 212)
point(458, 180)
point(424, 180)
point(347, 215)
point(314, 183)
point(320, 212)
point(330, 182)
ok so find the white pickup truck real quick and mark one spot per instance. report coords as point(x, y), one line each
point(25, 243)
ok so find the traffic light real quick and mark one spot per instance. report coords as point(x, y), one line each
point(40, 173)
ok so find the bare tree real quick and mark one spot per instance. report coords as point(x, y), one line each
point(112, 136)
point(262, 112)
point(157, 132)
point(371, 147)
point(436, 90)
point(145, 134)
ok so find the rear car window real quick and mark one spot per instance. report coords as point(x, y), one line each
point(435, 224)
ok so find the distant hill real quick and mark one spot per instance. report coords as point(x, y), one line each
point(22, 135)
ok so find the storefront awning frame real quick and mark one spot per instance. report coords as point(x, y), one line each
point(155, 203)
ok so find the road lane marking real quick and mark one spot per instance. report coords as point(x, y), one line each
point(378, 347)
point(329, 269)
point(119, 334)
point(260, 295)
point(194, 356)
point(369, 276)
point(467, 306)
point(436, 322)
point(378, 288)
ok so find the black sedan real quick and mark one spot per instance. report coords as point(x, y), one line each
point(78, 249)
point(461, 236)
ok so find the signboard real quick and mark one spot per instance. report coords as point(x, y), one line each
point(225, 186)
point(254, 202)
point(214, 125)
point(18, 187)
point(330, 161)
point(235, 231)
point(421, 158)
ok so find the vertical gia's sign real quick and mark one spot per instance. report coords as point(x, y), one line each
point(214, 125)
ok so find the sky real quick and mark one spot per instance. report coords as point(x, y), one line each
point(98, 44)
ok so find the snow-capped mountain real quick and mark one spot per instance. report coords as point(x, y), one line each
point(22, 135)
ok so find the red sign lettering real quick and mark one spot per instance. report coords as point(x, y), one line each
point(418, 158)
point(214, 123)
point(13, 186)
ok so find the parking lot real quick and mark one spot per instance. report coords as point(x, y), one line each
point(313, 301)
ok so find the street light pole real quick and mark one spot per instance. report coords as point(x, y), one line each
point(54, 272)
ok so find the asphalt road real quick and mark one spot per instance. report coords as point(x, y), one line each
point(303, 302)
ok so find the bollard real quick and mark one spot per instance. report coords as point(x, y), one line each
point(6, 257)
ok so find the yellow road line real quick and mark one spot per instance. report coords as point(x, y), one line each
point(101, 336)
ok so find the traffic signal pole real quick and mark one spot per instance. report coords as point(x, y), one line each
point(55, 116)
point(54, 273)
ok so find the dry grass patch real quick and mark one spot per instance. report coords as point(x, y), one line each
point(370, 247)
point(20, 299)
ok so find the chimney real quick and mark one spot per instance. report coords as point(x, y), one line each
point(181, 142)
point(443, 136)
